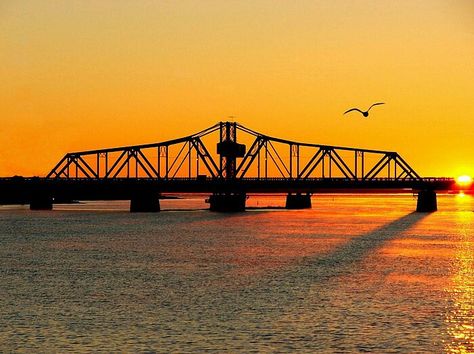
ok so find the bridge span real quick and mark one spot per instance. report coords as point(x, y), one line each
point(214, 161)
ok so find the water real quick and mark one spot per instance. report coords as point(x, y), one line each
point(353, 274)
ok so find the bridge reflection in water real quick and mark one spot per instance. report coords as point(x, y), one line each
point(192, 164)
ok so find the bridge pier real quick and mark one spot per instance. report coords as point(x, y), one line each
point(426, 201)
point(298, 201)
point(41, 200)
point(227, 202)
point(144, 201)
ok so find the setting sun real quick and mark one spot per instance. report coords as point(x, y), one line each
point(464, 180)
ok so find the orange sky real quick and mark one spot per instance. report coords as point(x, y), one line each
point(79, 75)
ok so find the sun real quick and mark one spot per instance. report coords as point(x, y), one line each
point(464, 180)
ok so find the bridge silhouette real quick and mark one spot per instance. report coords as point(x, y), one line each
point(215, 161)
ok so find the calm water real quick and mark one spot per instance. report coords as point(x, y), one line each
point(353, 274)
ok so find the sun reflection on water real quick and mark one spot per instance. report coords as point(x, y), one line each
point(460, 318)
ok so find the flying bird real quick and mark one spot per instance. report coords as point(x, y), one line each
point(364, 113)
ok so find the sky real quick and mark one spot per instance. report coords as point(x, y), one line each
point(78, 75)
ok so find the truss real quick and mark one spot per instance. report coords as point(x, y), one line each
point(195, 157)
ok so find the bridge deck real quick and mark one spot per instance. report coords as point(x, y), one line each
point(22, 190)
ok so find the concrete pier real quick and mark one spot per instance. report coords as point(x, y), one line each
point(41, 200)
point(426, 201)
point(227, 202)
point(145, 201)
point(298, 201)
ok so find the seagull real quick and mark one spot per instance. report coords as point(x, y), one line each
point(366, 113)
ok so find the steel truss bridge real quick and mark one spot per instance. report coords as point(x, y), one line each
point(254, 163)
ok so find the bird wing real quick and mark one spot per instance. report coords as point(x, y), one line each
point(375, 104)
point(353, 109)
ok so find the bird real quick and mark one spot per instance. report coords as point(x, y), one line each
point(364, 113)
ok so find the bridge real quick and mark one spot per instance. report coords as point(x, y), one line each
point(228, 161)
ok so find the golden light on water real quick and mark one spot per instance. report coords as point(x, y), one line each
point(461, 197)
point(460, 318)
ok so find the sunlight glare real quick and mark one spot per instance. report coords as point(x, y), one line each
point(464, 180)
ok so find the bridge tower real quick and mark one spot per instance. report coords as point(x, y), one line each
point(229, 150)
